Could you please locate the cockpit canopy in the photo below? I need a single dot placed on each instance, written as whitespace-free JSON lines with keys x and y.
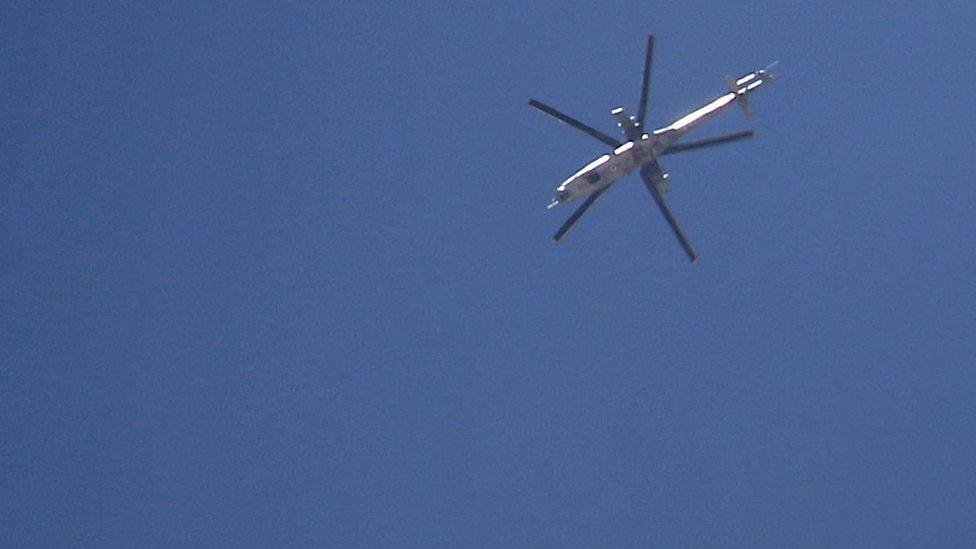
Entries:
{"x":589,"y":167}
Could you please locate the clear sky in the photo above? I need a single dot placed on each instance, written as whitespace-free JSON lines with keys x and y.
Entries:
{"x":279,"y":274}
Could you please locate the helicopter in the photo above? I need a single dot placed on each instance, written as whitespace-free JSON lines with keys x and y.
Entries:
{"x":641,"y":149}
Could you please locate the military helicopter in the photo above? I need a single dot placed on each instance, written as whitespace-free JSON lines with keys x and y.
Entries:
{"x":641,"y":149}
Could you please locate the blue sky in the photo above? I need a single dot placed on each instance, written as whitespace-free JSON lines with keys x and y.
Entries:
{"x":281,"y":275}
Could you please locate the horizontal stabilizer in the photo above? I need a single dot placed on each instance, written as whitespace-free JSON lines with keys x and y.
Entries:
{"x":741,"y":98}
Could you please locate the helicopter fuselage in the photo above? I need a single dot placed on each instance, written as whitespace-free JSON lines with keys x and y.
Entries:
{"x":638,"y":152}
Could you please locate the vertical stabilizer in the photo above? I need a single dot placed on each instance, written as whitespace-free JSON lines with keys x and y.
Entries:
{"x":737,"y":87}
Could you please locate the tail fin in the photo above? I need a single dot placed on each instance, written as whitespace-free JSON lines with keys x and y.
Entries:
{"x":740,"y":92}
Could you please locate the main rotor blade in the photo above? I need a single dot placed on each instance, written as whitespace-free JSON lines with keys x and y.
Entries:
{"x":645,"y":82}
{"x":681,"y":147}
{"x":590,"y":200}
{"x":653,"y":177}
{"x":566,"y":119}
